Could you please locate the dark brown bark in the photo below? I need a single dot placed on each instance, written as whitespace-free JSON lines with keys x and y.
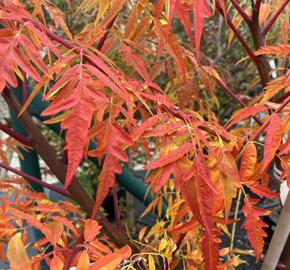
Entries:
{"x":259,"y":41}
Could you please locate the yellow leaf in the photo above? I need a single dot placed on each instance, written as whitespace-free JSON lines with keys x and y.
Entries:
{"x":151,"y":263}
{"x":56,"y":119}
{"x":163,"y":244}
{"x":17,"y":255}
{"x":56,"y":263}
{"x":84,"y":261}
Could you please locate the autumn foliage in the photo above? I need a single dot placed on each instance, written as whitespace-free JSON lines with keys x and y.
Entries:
{"x":120,"y":81}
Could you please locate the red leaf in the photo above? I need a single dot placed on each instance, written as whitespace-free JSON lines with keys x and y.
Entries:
{"x":262,"y":190}
{"x":272,"y":140}
{"x":110,"y":139}
{"x":170,"y":157}
{"x":201,"y":11}
{"x":244,"y":113}
{"x":107,"y":81}
{"x":255,"y":226}
{"x":182,"y":12}
{"x":150,"y":122}
{"x":194,"y":191}
{"x":75,"y":91}
{"x":12,"y":58}
{"x":171,"y":9}
{"x":210,"y":250}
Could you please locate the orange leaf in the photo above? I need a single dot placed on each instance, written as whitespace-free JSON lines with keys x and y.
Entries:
{"x":244,"y":113}
{"x":84,"y":261}
{"x":54,"y":232}
{"x":111,"y":261}
{"x":248,"y":161}
{"x":92,"y":229}
{"x":56,"y":263}
{"x":171,"y":157}
{"x":17,"y":255}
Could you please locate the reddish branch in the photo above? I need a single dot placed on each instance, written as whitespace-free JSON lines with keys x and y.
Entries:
{"x":238,"y":35}
{"x":241,"y":11}
{"x":280,"y":108}
{"x":274,"y":18}
{"x":35,"y":180}
{"x":238,"y":100}
{"x":22,"y":139}
{"x":116,"y":209}
{"x":103,"y":39}
{"x":73,"y":252}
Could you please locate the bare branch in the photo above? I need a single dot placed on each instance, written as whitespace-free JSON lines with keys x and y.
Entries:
{"x":239,"y":36}
{"x":22,"y":139}
{"x":241,"y":11}
{"x":274,"y":18}
{"x":35,"y":180}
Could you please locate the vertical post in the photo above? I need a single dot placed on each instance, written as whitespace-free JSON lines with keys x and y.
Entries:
{"x":279,"y":238}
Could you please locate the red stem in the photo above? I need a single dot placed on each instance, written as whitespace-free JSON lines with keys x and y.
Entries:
{"x":73,"y":252}
{"x":239,"y":36}
{"x":274,"y":18}
{"x":116,"y":209}
{"x":35,"y":180}
{"x":257,"y":5}
{"x":103,"y":39}
{"x":22,"y":139}
{"x":241,"y":11}
{"x":262,"y":128}
{"x":238,"y":100}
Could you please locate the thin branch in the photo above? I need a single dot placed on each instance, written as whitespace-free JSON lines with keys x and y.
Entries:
{"x":241,"y":11}
{"x":103,"y":39}
{"x":238,"y":100}
{"x":239,"y":36}
{"x":35,"y":180}
{"x":24,"y":88}
{"x":73,"y":252}
{"x":116,"y":209}
{"x":274,"y":18}
{"x":22,"y":139}
{"x":262,"y":128}
{"x":281,"y":98}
